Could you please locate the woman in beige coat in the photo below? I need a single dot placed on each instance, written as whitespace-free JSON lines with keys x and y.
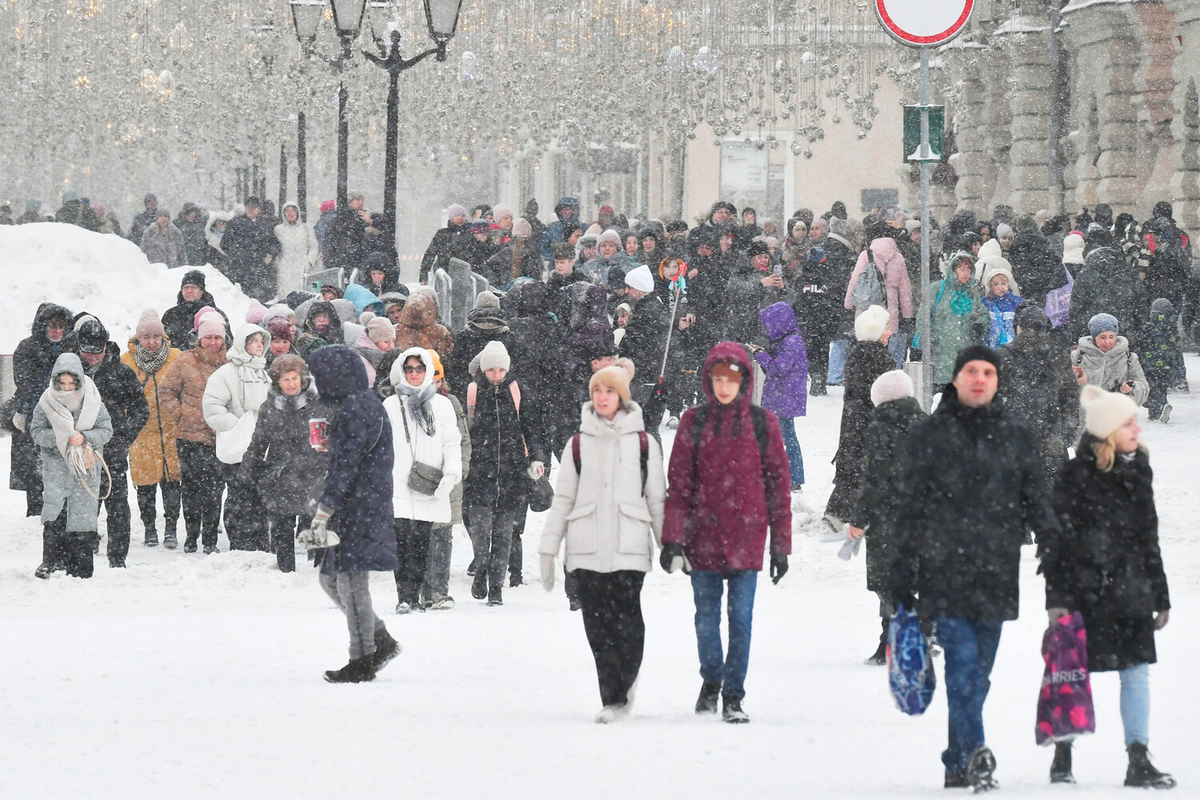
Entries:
{"x":608,"y":505}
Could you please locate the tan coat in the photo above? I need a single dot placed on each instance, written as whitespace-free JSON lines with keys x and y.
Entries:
{"x":152,"y":456}
{"x":181,"y":394}
{"x":418,"y":326}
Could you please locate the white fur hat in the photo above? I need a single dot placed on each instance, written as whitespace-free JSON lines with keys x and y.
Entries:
{"x":1106,"y":411}
{"x":1073,"y":249}
{"x":893,"y":385}
{"x":871,"y":324}
{"x":641,"y":279}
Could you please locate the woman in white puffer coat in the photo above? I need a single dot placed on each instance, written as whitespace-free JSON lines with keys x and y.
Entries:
{"x":299,"y":253}
{"x":608,"y":505}
{"x":424,"y":431}
{"x":235,"y":390}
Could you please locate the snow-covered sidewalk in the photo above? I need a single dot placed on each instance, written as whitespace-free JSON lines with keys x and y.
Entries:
{"x":193,"y":676}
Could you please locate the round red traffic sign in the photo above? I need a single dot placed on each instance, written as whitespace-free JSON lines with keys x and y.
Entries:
{"x":924,"y":23}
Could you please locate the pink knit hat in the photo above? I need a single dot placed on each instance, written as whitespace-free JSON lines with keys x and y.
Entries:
{"x":149,"y":324}
{"x":256,"y":312}
{"x":522,"y":229}
{"x":211,"y":324}
{"x":201,"y":313}
{"x":380,"y":329}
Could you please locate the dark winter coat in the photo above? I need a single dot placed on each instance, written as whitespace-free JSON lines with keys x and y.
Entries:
{"x":308,"y":340}
{"x":500,"y":267}
{"x":179,"y":321}
{"x":745,"y":297}
{"x":817,"y":294}
{"x":840,"y":259}
{"x":358,"y":487}
{"x":785,"y":361}
{"x":1039,"y":390}
{"x":122,"y":394}
{"x":279,"y":460}
{"x":194,"y":241}
{"x":248,"y":243}
{"x":500,"y":438}
{"x":77,"y":212}
{"x":559,"y":289}
{"x":885,"y":444}
{"x":723,"y":498}
{"x":468,"y":343}
{"x":344,"y":244}
{"x":1107,"y":285}
{"x":1105,"y":561}
{"x":866,"y":362}
{"x":1036,"y":267}
{"x":1160,"y":351}
{"x":535,"y":335}
{"x":32,"y":361}
{"x":554,"y":231}
{"x":645,"y":341}
{"x":972,"y":491}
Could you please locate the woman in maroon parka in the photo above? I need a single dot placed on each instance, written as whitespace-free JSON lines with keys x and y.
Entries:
{"x":729,"y":484}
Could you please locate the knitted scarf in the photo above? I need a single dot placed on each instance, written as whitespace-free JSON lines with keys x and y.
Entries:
{"x":69,"y":412}
{"x":148,"y":362}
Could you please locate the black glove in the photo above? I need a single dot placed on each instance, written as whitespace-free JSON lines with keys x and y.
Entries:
{"x":779,"y":568}
{"x":669,"y":553}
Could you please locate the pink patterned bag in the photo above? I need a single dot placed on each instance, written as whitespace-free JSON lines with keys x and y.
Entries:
{"x":1065,"y":708}
{"x":1058,"y":301}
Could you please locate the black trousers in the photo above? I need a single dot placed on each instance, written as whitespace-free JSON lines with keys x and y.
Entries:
{"x":245,"y":517}
{"x":117,"y":521}
{"x":201,"y":487}
{"x":283,"y":539}
{"x":68,"y":550}
{"x":612,"y":619}
{"x":147,"y":497}
{"x":412,"y":546}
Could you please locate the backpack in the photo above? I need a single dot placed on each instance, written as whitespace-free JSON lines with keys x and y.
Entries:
{"x":1172,"y":256}
{"x":869,"y":289}
{"x":643,"y":445}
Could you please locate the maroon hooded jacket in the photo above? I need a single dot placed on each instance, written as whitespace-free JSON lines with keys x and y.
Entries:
{"x":723,"y":498}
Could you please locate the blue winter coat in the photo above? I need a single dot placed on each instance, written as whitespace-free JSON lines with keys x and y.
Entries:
{"x":359,"y":486}
{"x":363,"y":300}
{"x":785,"y":391}
{"x":1002,"y":328}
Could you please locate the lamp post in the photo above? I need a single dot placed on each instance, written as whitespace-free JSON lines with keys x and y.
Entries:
{"x":347,"y":20}
{"x":442,"y":18}
{"x":306,"y":16}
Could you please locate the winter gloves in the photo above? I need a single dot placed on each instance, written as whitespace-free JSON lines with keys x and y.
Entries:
{"x":318,"y":534}
{"x":672,"y":559}
{"x":548,"y":572}
{"x":779,"y":567}
{"x":445,"y":487}
{"x":536,"y":470}
{"x":18,"y":422}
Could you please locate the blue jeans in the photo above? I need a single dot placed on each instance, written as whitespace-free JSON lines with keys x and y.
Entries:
{"x":790,"y":443}
{"x":707,"y":586}
{"x":1135,"y":704}
{"x":898,"y":346}
{"x":970,"y":649}
{"x":839,"y":351}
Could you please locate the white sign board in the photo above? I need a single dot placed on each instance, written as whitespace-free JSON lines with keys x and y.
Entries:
{"x":745,"y":172}
{"x":924,"y":23}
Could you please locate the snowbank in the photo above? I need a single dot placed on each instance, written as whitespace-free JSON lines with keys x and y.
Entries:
{"x":103,"y":274}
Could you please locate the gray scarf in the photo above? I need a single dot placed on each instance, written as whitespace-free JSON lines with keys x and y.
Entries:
{"x":416,"y":400}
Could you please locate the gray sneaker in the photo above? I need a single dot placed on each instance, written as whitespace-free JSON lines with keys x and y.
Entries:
{"x":441,"y":602}
{"x":1166,"y":414}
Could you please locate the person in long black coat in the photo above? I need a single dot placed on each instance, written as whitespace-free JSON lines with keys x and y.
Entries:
{"x":869,"y":358}
{"x":32,"y":361}
{"x":644,"y":343}
{"x":818,"y":292}
{"x":280,"y":460}
{"x":486,"y":322}
{"x":885,"y":443}
{"x":1108,"y":285}
{"x":444,"y":242}
{"x":1105,"y":563}
{"x":250,"y":243}
{"x":1037,"y":268}
{"x":179,"y":320}
{"x":356,"y":502}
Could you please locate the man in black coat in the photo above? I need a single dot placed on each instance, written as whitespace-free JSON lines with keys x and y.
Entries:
{"x":143,"y":220}
{"x":1108,"y":285}
{"x":191,"y":223}
{"x":1036,"y":267}
{"x":974,"y":489}
{"x":345,"y":242}
{"x":644,"y":343}
{"x":179,"y":321}
{"x":442,"y":245}
{"x":251,"y":246}
{"x":121,"y":392}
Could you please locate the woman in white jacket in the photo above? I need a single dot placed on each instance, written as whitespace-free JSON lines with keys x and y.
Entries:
{"x":230,"y":405}
{"x":298,"y":255}
{"x":425,"y":432}
{"x":608,"y":505}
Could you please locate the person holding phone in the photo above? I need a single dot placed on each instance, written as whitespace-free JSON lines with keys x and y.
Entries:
{"x":1104,"y":359}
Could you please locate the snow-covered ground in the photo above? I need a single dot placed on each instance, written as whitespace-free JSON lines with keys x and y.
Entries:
{"x":200,"y":676}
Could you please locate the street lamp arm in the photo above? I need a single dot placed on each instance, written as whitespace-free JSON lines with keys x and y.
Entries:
{"x":394,"y":63}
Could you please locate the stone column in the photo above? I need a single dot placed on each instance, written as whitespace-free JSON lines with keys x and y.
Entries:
{"x":1185,"y":126}
{"x":1025,"y":36}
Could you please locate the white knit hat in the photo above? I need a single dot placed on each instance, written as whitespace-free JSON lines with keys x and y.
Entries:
{"x":871,"y":324}
{"x":993,"y":266}
{"x":641,"y":279}
{"x":1073,"y":249}
{"x":893,"y":385}
{"x":1106,"y":411}
{"x":610,"y":235}
{"x":494,"y":355}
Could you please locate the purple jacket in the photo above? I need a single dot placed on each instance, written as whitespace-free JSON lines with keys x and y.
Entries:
{"x":785,"y":361}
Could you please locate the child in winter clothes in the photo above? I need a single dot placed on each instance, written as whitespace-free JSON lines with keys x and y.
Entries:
{"x":1001,"y":300}
{"x":1106,"y":564}
{"x":1161,"y":356}
{"x":785,"y":391}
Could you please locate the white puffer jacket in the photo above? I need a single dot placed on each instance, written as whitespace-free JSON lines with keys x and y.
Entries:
{"x":238,"y":387}
{"x":442,"y":449}
{"x":298,"y":254}
{"x":608,"y":522}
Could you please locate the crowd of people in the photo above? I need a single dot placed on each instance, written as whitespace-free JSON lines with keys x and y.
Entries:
{"x":353,"y":421}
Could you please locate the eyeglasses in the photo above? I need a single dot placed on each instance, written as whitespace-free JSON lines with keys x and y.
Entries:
{"x":413,"y":370}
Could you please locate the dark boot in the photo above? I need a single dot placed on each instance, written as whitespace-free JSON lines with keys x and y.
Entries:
{"x":981,"y":771}
{"x":479,"y":586}
{"x":879,"y":657}
{"x":706,"y":703}
{"x":386,"y":648}
{"x":1142,"y":773}
{"x":189,"y":544}
{"x":359,"y":670}
{"x":170,"y":538}
{"x":151,"y":539}
{"x":494,"y":596}
{"x":731,"y":710}
{"x":1060,"y":767}
{"x":956,"y":780}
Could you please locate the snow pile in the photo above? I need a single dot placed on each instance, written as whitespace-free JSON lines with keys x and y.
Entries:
{"x":103,"y":274}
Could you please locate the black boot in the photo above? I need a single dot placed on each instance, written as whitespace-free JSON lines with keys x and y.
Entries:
{"x":479,"y":586}
{"x":494,"y":597}
{"x":731,"y":710}
{"x":706,"y":703}
{"x":358,"y":670}
{"x":1142,"y":773}
{"x":1060,"y":767}
{"x":386,"y":648}
{"x":879,"y":657}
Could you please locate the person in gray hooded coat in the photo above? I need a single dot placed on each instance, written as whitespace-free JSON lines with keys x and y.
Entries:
{"x":70,"y":426}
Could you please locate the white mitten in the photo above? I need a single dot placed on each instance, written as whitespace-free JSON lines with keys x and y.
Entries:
{"x":536,"y":470}
{"x":445,"y":487}
{"x":548,"y":572}
{"x":18,"y":421}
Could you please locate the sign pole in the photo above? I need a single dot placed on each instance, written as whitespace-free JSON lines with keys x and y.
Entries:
{"x":926,"y":336}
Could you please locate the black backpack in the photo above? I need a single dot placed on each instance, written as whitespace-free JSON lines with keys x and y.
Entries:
{"x":1171,"y":256}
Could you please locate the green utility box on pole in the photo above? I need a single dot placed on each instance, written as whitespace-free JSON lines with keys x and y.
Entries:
{"x":912,"y":133}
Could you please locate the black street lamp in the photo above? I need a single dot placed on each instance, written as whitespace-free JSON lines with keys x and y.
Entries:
{"x":442,"y":19}
{"x":347,"y":20}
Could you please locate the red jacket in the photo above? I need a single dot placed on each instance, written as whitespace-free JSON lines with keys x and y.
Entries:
{"x":723,"y":498}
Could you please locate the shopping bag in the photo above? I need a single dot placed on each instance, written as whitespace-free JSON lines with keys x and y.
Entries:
{"x":1058,"y":301}
{"x":910,"y":667}
{"x":1065,"y":708}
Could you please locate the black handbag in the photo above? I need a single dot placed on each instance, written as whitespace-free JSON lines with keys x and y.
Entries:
{"x":541,"y":494}
{"x":422,"y":478}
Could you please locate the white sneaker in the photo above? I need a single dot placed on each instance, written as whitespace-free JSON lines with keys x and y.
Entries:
{"x":403,"y":608}
{"x":442,"y":602}
{"x":610,"y":714}
{"x":1166,"y":414}
{"x":832,"y":529}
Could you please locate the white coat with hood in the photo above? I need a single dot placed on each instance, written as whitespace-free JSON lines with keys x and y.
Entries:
{"x":299,"y":253}
{"x":441,"y":449}
{"x":238,"y":387}
{"x":602,"y":512}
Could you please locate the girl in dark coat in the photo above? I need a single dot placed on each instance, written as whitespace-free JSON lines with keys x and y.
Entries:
{"x":874,"y":515}
{"x":869,"y":358}
{"x":357,"y":504}
{"x":32,"y":361}
{"x":1106,"y":564}
{"x":280,"y":461}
